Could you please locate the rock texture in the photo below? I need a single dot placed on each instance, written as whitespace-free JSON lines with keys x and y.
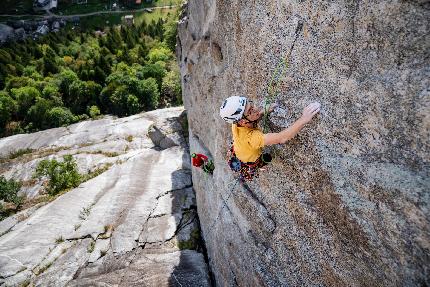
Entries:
{"x":346,"y":203}
{"x":127,"y":226}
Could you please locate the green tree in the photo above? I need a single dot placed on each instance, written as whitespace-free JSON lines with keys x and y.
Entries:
{"x":31,"y":72}
{"x":49,"y":63}
{"x":123,"y":103}
{"x":148,"y":94}
{"x":66,"y":78}
{"x":61,"y":175}
{"x":171,"y":91}
{"x":159,"y":54}
{"x":170,"y":33}
{"x":8,"y":108}
{"x":5,"y":71}
{"x":9,"y":191}
{"x":99,"y":75}
{"x":60,"y":116}
{"x":83,"y":94}
{"x":25,"y":98}
{"x":52,"y":92}
{"x":94,"y":111}
{"x":37,"y":115}
{"x":156,"y":71}
{"x":19,"y":82}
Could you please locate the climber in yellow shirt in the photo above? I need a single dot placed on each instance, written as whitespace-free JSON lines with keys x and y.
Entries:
{"x":249,"y":140}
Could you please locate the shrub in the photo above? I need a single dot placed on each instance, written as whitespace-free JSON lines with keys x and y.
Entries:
{"x":20,"y":152}
{"x":8,"y":107}
{"x":94,"y":111}
{"x":61,"y":175}
{"x":25,"y":97}
{"x":37,"y":113}
{"x":148,"y":93}
{"x":160,"y":54}
{"x":171,"y":91}
{"x":9,"y":191}
{"x":60,"y":116}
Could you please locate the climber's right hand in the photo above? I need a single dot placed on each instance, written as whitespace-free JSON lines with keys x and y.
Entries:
{"x":309,"y":112}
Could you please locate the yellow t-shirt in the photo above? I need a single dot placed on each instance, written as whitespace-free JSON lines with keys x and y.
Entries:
{"x":248,"y":143}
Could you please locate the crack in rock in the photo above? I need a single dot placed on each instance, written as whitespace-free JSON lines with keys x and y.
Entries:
{"x":173,"y":190}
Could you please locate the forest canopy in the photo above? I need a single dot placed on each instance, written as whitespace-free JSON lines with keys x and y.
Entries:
{"x":65,"y":77}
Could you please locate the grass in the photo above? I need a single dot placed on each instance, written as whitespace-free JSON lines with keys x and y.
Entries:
{"x":96,"y":172}
{"x":85,"y":212}
{"x":107,"y":227}
{"x":66,"y":7}
{"x":43,"y":269}
{"x":4,"y":213}
{"x":107,"y":232}
{"x":105,"y":153}
{"x":30,"y":152}
{"x":69,"y":8}
{"x":98,"y":22}
{"x":59,"y":240}
{"x":192,"y":243}
{"x":158,"y":3}
{"x":25,"y":283}
{"x":91,"y":247}
{"x":106,"y":5}
{"x":16,"y":154}
{"x":155,"y":15}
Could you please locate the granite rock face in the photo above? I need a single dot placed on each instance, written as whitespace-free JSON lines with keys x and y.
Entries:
{"x":346,"y":203}
{"x":131,"y":225}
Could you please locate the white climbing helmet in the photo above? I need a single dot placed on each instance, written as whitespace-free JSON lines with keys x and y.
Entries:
{"x":232,"y":109}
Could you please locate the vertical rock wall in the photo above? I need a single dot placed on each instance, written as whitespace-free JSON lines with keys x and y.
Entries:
{"x":346,"y":203}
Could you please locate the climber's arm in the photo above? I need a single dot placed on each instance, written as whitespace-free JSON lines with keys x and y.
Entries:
{"x":282,"y":137}
{"x":285,"y":135}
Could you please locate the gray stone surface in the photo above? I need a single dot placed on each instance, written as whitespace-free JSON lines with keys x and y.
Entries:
{"x":96,"y":226}
{"x":166,"y":268}
{"x":64,"y":269}
{"x":346,"y":203}
{"x":101,"y":246}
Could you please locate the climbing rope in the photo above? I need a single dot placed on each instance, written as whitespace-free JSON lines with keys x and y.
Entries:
{"x":224,"y":205}
{"x":273,"y":87}
{"x":277,"y":75}
{"x":173,"y":273}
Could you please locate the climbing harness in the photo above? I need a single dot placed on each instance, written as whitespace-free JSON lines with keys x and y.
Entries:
{"x":247,"y":170}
